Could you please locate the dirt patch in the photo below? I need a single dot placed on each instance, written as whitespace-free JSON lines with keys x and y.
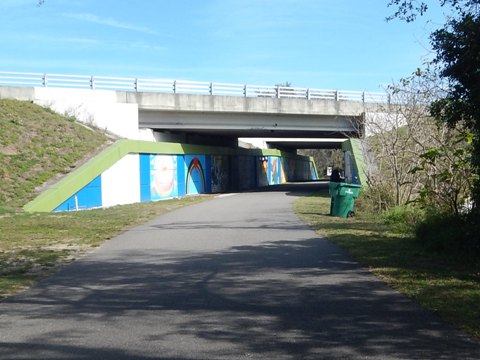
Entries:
{"x":9,"y":150}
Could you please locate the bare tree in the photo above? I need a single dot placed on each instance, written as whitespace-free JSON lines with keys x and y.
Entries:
{"x":411,"y":157}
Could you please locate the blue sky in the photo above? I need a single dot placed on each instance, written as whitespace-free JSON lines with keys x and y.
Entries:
{"x":330,"y":44}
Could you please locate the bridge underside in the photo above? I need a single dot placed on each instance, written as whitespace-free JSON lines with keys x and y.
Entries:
{"x":284,"y":131}
{"x":304,"y":143}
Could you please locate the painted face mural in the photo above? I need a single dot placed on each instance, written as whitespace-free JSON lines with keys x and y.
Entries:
{"x":195,"y":177}
{"x":162,"y":176}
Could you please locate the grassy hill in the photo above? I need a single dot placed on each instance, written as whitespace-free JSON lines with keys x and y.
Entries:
{"x":36,"y":145}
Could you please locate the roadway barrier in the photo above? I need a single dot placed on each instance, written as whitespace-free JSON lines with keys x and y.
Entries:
{"x":184,"y":87}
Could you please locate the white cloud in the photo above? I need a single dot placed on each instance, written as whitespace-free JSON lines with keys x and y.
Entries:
{"x":147,"y":47}
{"x":91,"y":18}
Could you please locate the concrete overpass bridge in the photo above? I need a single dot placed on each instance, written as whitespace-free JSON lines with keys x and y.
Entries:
{"x":190,"y":133}
{"x":204,"y":113}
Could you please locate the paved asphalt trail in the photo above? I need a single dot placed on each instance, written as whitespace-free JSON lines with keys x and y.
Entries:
{"x":232,"y":278}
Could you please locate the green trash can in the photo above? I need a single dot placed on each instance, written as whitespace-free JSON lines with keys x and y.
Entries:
{"x":343,"y":198}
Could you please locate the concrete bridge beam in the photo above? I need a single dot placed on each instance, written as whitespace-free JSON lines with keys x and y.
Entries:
{"x":126,"y":114}
{"x":238,"y":104}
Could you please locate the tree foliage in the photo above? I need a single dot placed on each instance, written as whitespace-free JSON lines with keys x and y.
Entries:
{"x":410,"y":156}
{"x":457,"y":56}
{"x":457,"y":47}
{"x":409,"y":10}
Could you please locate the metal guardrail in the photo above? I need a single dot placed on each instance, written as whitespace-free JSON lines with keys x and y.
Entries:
{"x":184,"y":87}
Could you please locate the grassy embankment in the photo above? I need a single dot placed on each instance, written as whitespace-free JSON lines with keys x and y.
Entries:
{"x":37,"y":145}
{"x":447,"y":285}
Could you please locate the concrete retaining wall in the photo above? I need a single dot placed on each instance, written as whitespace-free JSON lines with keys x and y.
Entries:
{"x":356,"y":171}
{"x":98,"y":108}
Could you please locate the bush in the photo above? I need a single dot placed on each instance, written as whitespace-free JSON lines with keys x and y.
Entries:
{"x":450,"y":234}
{"x":405,"y":218}
{"x":379,"y":201}
{"x":375,"y":199}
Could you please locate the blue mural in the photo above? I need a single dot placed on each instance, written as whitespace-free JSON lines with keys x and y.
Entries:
{"x":145,"y":193}
{"x":274,"y":170}
{"x":90,"y":196}
{"x":195,"y":182}
{"x":164,"y":176}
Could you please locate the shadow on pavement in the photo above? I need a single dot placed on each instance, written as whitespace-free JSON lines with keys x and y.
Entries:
{"x":297,"y":188}
{"x":280,"y":300}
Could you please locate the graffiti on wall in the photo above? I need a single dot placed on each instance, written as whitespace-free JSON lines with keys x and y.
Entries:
{"x":273,"y":173}
{"x":262,"y":171}
{"x":219,"y":173}
{"x":164,"y":176}
{"x":272,"y":170}
{"x":283,"y":170}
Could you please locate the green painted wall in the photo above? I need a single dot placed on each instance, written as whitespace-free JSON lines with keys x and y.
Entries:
{"x":355,"y":147}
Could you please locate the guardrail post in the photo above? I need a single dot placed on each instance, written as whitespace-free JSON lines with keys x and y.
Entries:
{"x":44,"y":80}
{"x":336,"y":95}
{"x":135,"y":84}
{"x":308,"y":94}
{"x":363,"y":97}
{"x":211,"y":88}
{"x":92,"y":83}
{"x":245,"y":90}
{"x":278,"y":92}
{"x":175,"y":86}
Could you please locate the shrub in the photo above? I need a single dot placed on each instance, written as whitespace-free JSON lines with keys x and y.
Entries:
{"x":450,"y":234}
{"x":405,"y":218}
{"x":375,"y":199}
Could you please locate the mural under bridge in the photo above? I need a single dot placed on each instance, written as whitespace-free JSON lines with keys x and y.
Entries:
{"x":153,"y":176}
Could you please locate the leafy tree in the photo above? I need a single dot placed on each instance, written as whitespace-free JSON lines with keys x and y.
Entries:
{"x":409,"y":156}
{"x":457,"y":47}
{"x":409,"y":10}
{"x":445,"y":171}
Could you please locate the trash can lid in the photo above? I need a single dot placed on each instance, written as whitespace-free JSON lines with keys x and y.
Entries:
{"x":349,"y":185}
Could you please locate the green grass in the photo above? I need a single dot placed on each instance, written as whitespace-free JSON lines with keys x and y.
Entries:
{"x":445,"y":285}
{"x":36,"y":145}
{"x":32,"y":246}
